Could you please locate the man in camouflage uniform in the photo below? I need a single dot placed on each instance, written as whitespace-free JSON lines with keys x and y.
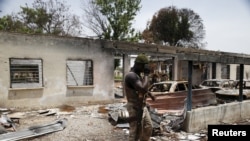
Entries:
{"x":136,"y":89}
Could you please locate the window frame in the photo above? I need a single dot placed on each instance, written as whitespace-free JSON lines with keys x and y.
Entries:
{"x":73,"y":70}
{"x":20,"y":67}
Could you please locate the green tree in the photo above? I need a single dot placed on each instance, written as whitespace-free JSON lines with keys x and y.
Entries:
{"x":112,"y":19}
{"x":45,"y":17}
{"x":7,"y":23}
{"x":175,"y":27}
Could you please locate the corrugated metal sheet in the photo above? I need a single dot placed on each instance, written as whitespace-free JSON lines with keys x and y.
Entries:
{"x":174,"y":102}
{"x":34,"y":131}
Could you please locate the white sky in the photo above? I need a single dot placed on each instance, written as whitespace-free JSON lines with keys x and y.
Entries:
{"x":226,"y":21}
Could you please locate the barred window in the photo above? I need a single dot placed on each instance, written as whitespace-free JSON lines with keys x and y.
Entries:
{"x":79,"y":73}
{"x":25,"y":73}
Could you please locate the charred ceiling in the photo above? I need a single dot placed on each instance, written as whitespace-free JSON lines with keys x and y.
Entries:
{"x":188,"y":54}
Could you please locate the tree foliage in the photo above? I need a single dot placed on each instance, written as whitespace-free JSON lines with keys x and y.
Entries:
{"x":7,"y":23}
{"x":175,"y":27}
{"x":94,"y":20}
{"x":50,"y":17}
{"x":112,"y":19}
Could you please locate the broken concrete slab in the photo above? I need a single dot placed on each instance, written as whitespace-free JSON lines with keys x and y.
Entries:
{"x":43,"y":111}
{"x":4,"y":110}
{"x":2,"y":130}
{"x":7,"y":122}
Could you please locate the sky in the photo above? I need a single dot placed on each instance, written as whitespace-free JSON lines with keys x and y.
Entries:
{"x":226,"y":22}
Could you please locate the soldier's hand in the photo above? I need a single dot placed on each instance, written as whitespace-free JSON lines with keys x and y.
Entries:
{"x":146,"y":69}
{"x":153,"y":97}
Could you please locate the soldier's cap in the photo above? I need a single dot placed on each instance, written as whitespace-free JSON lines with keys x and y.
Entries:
{"x":142,"y":58}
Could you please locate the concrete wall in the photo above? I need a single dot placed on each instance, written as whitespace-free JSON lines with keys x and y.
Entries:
{"x":182,"y":72}
{"x":198,"y":119}
{"x":233,"y":71}
{"x":218,"y":70}
{"x":54,"y":52}
{"x":246,"y":71}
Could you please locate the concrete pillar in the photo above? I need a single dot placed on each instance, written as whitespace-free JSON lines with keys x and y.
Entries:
{"x":189,"y":97}
{"x":241,"y":82}
{"x":175,"y":68}
{"x":209,"y":71}
{"x":218,"y":70}
{"x":126,"y":68}
{"x":126,"y":64}
{"x":233,"y":71}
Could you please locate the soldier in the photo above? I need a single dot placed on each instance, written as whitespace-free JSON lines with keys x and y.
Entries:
{"x":136,"y":89}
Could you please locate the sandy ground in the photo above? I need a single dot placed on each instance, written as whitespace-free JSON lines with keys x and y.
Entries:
{"x":84,"y":123}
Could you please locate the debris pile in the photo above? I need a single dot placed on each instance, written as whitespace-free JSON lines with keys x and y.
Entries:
{"x":10,"y":119}
{"x":165,"y":126}
{"x":34,"y":131}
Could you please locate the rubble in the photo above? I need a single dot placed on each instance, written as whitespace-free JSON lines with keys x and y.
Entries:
{"x":166,"y":126}
{"x":34,"y":131}
{"x":92,"y":123}
{"x":7,"y":122}
{"x":3,"y":130}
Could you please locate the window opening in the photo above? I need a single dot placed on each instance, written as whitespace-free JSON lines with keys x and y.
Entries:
{"x":79,"y":72}
{"x":25,"y":73}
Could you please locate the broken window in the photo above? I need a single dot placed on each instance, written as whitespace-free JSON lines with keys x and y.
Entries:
{"x":25,"y":73}
{"x":79,"y":72}
{"x":225,"y":71}
{"x":180,"y":87}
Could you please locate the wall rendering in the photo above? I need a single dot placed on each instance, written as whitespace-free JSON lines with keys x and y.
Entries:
{"x":39,"y":70}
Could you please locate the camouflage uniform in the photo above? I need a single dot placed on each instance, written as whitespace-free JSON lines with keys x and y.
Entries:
{"x":146,"y":124}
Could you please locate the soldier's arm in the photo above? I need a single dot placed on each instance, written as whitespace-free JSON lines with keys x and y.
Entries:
{"x":135,"y":82}
{"x":151,"y":96}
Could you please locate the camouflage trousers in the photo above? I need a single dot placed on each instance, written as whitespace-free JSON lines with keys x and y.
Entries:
{"x":145,"y":131}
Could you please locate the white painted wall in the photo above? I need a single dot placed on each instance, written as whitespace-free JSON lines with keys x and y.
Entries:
{"x":54,"y":51}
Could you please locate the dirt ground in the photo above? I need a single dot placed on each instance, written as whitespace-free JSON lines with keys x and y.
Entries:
{"x":82,"y":128}
{"x":84,"y":123}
